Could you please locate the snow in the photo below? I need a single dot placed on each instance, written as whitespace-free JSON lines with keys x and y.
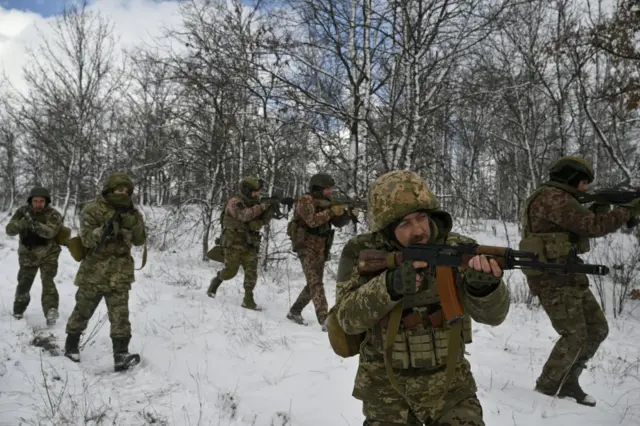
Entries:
{"x":210,"y":362}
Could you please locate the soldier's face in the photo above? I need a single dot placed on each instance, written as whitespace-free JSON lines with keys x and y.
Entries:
{"x":414,"y":228}
{"x":38,"y":203}
{"x":255,"y":194}
{"x":327,"y":192}
{"x":121,"y":190}
{"x":583,"y":186}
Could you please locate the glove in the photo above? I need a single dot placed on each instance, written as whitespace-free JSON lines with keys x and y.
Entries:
{"x":633,"y":207}
{"x":355,"y":211}
{"x":401,"y":281}
{"x":128,"y":220}
{"x":24,"y":224}
{"x":480,"y":283}
{"x":338,"y":209}
{"x":599,"y":208}
{"x":255,"y":225}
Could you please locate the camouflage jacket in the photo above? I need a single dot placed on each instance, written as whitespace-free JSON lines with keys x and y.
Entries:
{"x":113,"y":267}
{"x":314,"y":218}
{"x":554,"y":210}
{"x":363,"y":304}
{"x":37,"y":246}
{"x":241,"y":222}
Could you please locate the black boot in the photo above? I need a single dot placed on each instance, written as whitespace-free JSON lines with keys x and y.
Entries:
{"x":122,"y":359}
{"x":71,"y":349}
{"x":213,"y":286}
{"x":572,"y":389}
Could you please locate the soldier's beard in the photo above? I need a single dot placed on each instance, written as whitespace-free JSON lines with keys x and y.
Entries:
{"x":419,"y":239}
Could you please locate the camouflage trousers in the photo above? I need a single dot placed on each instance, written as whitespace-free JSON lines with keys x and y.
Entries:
{"x":26,"y":277}
{"x":313,"y":268}
{"x":87,"y":300}
{"x":467,"y":413}
{"x":236,"y":257}
{"x":577,"y":317}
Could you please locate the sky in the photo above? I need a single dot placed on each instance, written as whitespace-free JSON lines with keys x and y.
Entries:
{"x":23,"y":23}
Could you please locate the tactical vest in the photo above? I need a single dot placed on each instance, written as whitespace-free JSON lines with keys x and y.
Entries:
{"x":236,"y":232}
{"x":320,"y":204}
{"x":549,"y":246}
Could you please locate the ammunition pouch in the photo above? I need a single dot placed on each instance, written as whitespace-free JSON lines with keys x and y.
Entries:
{"x":422,"y":341}
{"x":76,"y":248}
{"x":343,"y":344}
{"x":296,"y":235}
{"x":551,"y":246}
{"x":256,"y":225}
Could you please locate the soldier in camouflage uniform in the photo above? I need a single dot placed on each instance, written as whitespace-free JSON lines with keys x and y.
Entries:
{"x":37,"y":223}
{"x":555,"y":224}
{"x":107,"y":271}
{"x":424,"y":377}
{"x":242,"y":220}
{"x":311,"y":240}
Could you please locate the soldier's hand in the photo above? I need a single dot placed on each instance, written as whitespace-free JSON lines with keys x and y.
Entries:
{"x":24,"y":223}
{"x":633,"y":207}
{"x":128,"y":220}
{"x":481,"y":263}
{"x":338,"y":209}
{"x":405,"y":279}
{"x":484,"y":275}
{"x":599,"y":208}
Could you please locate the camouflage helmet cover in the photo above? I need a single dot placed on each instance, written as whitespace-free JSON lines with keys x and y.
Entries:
{"x":250,"y":184}
{"x":116,"y":180}
{"x":39,"y":191}
{"x":396,"y":194}
{"x":576,"y":164}
{"x":321,"y":180}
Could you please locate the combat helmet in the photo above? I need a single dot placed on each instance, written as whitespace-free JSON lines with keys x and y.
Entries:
{"x":39,"y":191}
{"x":249,"y":185}
{"x":396,"y":194}
{"x":115,"y":180}
{"x":322,"y":181}
{"x":569,"y":168}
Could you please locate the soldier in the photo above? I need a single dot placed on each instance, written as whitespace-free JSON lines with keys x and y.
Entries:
{"x":110,"y":226}
{"x":556,"y":225}
{"x":312,"y":237}
{"x":424,"y":378}
{"x":242,"y":219}
{"x":38,"y":225}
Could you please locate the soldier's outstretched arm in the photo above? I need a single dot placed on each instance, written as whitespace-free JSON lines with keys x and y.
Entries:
{"x":90,"y":227}
{"x":484,"y":297}
{"x":359,"y":306}
{"x":565,"y":211}
{"x":237,"y":209}
{"x":50,"y":228}
{"x":307,"y":211}
{"x":13,"y":228}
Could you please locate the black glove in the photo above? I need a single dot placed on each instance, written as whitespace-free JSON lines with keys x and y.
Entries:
{"x":481,"y":284}
{"x":401,"y":281}
{"x":600,"y":208}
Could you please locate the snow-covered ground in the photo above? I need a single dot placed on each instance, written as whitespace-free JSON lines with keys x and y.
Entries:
{"x":210,"y":362}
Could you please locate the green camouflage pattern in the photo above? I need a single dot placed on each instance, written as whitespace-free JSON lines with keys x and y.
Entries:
{"x":115,"y":180}
{"x":43,"y":256}
{"x":395,"y":195}
{"x":234,"y":258}
{"x":87,"y":300}
{"x":113,"y":267}
{"x":241,"y":223}
{"x":576,"y":316}
{"x":363,"y":302}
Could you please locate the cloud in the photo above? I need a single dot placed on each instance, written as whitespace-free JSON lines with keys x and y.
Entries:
{"x":134,"y":22}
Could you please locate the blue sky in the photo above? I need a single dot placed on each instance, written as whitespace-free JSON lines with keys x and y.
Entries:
{"x":42,"y":7}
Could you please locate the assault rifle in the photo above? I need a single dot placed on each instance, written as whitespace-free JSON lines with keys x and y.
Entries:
{"x":107,"y":230}
{"x":612,"y":196}
{"x":275,"y":201}
{"x":32,"y":221}
{"x":442,"y":256}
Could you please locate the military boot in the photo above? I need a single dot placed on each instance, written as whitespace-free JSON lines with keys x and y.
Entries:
{"x":122,"y":359}
{"x":297,"y":318}
{"x":71,"y":349}
{"x":545,"y":385}
{"x":213,"y":286}
{"x":572,"y":389}
{"x":248,"y":302}
{"x":52,"y":316}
